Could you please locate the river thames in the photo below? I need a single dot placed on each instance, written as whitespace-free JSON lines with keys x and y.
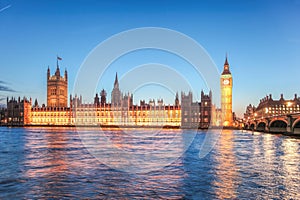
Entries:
{"x":54,"y":163}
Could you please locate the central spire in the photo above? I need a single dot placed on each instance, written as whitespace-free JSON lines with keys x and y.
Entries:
{"x":116,"y":84}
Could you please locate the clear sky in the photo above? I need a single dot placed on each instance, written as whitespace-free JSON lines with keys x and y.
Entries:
{"x":262,"y":39}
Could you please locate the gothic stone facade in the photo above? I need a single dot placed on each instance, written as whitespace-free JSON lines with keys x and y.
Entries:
{"x":119,"y":112}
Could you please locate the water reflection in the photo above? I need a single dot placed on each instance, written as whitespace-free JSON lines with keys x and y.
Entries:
{"x":44,"y":163}
{"x":56,"y":158}
{"x":47,"y":155}
{"x":290,"y":165}
{"x":135,"y":151}
{"x":226,"y":169}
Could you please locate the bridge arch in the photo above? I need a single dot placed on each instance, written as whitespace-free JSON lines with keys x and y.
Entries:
{"x":261,"y":126}
{"x":278,"y":125}
{"x":252,"y":126}
{"x":296,"y":126}
{"x":278,"y":119}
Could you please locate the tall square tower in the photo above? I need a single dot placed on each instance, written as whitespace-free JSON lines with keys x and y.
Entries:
{"x":57,"y":89}
{"x":226,"y":95}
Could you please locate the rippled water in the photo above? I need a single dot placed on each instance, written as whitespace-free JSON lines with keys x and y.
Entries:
{"x":52,"y":163}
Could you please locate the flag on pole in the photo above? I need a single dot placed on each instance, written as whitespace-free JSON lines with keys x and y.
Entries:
{"x":59,"y":58}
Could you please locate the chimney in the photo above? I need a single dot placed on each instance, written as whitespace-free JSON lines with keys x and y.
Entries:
{"x":281,"y":96}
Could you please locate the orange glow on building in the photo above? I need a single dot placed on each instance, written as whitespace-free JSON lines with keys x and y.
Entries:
{"x":226,"y":96}
{"x":119,"y":112}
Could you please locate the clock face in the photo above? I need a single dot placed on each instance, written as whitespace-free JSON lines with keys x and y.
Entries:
{"x":225,"y":81}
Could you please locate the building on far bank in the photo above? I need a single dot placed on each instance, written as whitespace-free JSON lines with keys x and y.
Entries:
{"x":2,"y":116}
{"x":121,"y":111}
{"x":196,"y":114}
{"x":18,"y":112}
{"x":268,"y":107}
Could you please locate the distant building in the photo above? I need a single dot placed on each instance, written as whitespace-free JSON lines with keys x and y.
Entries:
{"x":190,"y":111}
{"x":250,"y":109}
{"x":61,"y":116}
{"x":216,"y":117}
{"x":3,"y":120}
{"x":196,"y":114}
{"x":146,"y":114}
{"x":268,"y":107}
{"x":205,"y":110}
{"x":18,"y":112}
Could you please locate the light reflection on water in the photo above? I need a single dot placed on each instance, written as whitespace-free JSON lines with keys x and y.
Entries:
{"x":226,"y":169}
{"x":136,"y":151}
{"x":39,"y":163}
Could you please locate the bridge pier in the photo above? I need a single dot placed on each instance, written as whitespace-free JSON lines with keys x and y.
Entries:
{"x":267,"y":128}
{"x":290,"y":128}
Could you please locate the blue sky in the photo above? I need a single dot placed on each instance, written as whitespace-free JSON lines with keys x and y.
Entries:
{"x":262,"y":39}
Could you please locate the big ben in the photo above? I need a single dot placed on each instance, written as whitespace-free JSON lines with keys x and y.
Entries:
{"x":226,"y":95}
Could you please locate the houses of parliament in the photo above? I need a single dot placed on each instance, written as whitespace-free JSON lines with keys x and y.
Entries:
{"x":184,"y":113}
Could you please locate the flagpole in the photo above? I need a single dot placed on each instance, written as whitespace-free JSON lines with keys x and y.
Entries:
{"x":57,"y":58}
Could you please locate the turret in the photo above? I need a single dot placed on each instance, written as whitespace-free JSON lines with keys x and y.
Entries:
{"x":71,"y":101}
{"x":96,"y":100}
{"x":36,"y":104}
{"x":48,"y":73}
{"x":176,"y":99}
{"x":57,"y":72}
{"x":103,"y":97}
{"x":66,"y":75}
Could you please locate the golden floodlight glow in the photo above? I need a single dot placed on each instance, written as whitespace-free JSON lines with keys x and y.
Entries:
{"x":266,"y":110}
{"x":226,"y":95}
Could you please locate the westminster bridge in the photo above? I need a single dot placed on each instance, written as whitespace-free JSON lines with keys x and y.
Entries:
{"x":288,"y":123}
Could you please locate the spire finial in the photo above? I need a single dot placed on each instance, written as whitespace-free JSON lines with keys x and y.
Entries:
{"x":226,"y":61}
{"x":116,"y":79}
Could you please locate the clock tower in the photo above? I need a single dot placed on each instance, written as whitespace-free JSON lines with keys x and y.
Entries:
{"x":226,"y":95}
